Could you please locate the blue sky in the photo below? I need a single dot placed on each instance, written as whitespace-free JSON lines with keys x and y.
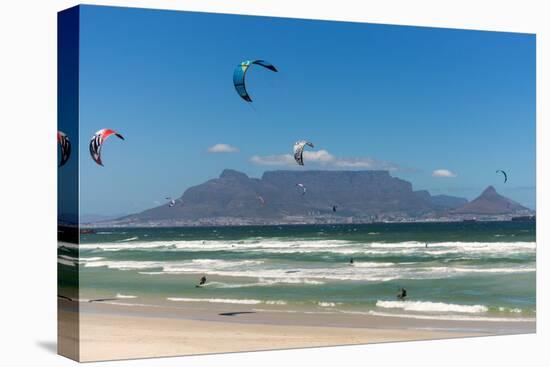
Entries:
{"x":410,"y":99}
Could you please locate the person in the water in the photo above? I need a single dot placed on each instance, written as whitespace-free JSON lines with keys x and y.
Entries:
{"x":351,"y":260}
{"x":402,"y":294}
{"x":202,"y":281}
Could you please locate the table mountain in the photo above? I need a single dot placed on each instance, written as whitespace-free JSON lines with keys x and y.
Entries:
{"x":275,"y":196}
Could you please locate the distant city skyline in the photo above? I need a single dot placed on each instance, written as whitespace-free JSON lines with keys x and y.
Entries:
{"x":441,"y":108}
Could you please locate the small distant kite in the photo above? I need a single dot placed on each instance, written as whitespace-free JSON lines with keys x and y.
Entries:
{"x":240,"y":73}
{"x":299,"y":151}
{"x":65,"y":145}
{"x":171,"y":202}
{"x":97,"y":141}
{"x":504,"y":174}
{"x":261,"y":200}
{"x":302,"y":186}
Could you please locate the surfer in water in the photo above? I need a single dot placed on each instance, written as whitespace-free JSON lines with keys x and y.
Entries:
{"x":402,"y":294}
{"x":202,"y":281}
{"x":351,"y":261}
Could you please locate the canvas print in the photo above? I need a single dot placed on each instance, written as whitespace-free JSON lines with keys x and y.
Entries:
{"x":235,"y":183}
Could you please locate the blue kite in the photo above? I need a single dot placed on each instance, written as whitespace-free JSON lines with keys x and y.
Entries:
{"x":240,"y":73}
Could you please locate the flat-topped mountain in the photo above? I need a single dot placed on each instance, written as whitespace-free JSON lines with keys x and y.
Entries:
{"x":491,"y":203}
{"x":276,"y":195}
{"x":312,"y":197}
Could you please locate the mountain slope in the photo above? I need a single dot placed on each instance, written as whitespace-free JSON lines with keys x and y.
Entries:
{"x":491,"y":203}
{"x":357,"y":194}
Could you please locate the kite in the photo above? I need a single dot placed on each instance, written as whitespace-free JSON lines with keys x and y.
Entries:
{"x":302,"y":187}
{"x":299,"y":151}
{"x":240,"y":73}
{"x":97,"y":141}
{"x":261,"y":200}
{"x":504,"y":174}
{"x":65,"y":145}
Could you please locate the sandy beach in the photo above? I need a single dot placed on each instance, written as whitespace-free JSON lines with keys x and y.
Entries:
{"x":110,"y":331}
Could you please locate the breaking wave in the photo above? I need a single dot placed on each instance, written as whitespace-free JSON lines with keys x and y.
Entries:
{"x":419,"y":306}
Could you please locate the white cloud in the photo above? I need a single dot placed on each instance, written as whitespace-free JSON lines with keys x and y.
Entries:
{"x":318,"y":156}
{"x":443,"y":173}
{"x":222,"y":148}
{"x":323,"y":159}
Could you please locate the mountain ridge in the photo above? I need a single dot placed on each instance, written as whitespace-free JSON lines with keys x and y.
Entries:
{"x":490,"y":203}
{"x":330,"y":197}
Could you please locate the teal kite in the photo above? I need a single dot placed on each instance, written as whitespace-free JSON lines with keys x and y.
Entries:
{"x":504,"y":174}
{"x":240,"y":73}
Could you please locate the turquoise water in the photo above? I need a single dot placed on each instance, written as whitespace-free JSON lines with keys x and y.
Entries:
{"x":482,"y":270}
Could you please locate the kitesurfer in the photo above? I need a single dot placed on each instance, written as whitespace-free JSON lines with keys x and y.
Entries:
{"x":202,"y":281}
{"x":402,"y":294}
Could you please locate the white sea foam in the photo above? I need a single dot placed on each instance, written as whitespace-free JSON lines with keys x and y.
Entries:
{"x":518,"y":269}
{"x":326,"y":304}
{"x":341,"y":247}
{"x":511,"y":310}
{"x":125,"y":296}
{"x":420,"y":306}
{"x":261,"y":283}
{"x":66,"y":262}
{"x":90,"y":259}
{"x":278,"y":303}
{"x":268,"y":273}
{"x":67,"y":245}
{"x":67,"y":257}
{"x":217,"y":300}
{"x":446,"y":317}
{"x":125,"y":265}
{"x":372,"y":264}
{"x":129,"y":239}
{"x":289,"y":280}
{"x":73,"y":261}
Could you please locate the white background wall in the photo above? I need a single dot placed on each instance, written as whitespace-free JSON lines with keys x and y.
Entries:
{"x":28,"y":180}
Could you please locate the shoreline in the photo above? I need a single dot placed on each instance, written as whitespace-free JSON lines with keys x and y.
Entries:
{"x":199,"y":224}
{"x":113,"y":331}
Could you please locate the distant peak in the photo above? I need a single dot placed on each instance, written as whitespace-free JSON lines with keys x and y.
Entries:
{"x":231,"y":173}
{"x":489,"y":191}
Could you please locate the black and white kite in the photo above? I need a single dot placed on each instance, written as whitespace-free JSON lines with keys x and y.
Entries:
{"x":97,"y":141}
{"x":65,"y":145}
{"x":299,"y":151}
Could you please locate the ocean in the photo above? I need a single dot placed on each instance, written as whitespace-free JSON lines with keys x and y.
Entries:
{"x":460,"y":271}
